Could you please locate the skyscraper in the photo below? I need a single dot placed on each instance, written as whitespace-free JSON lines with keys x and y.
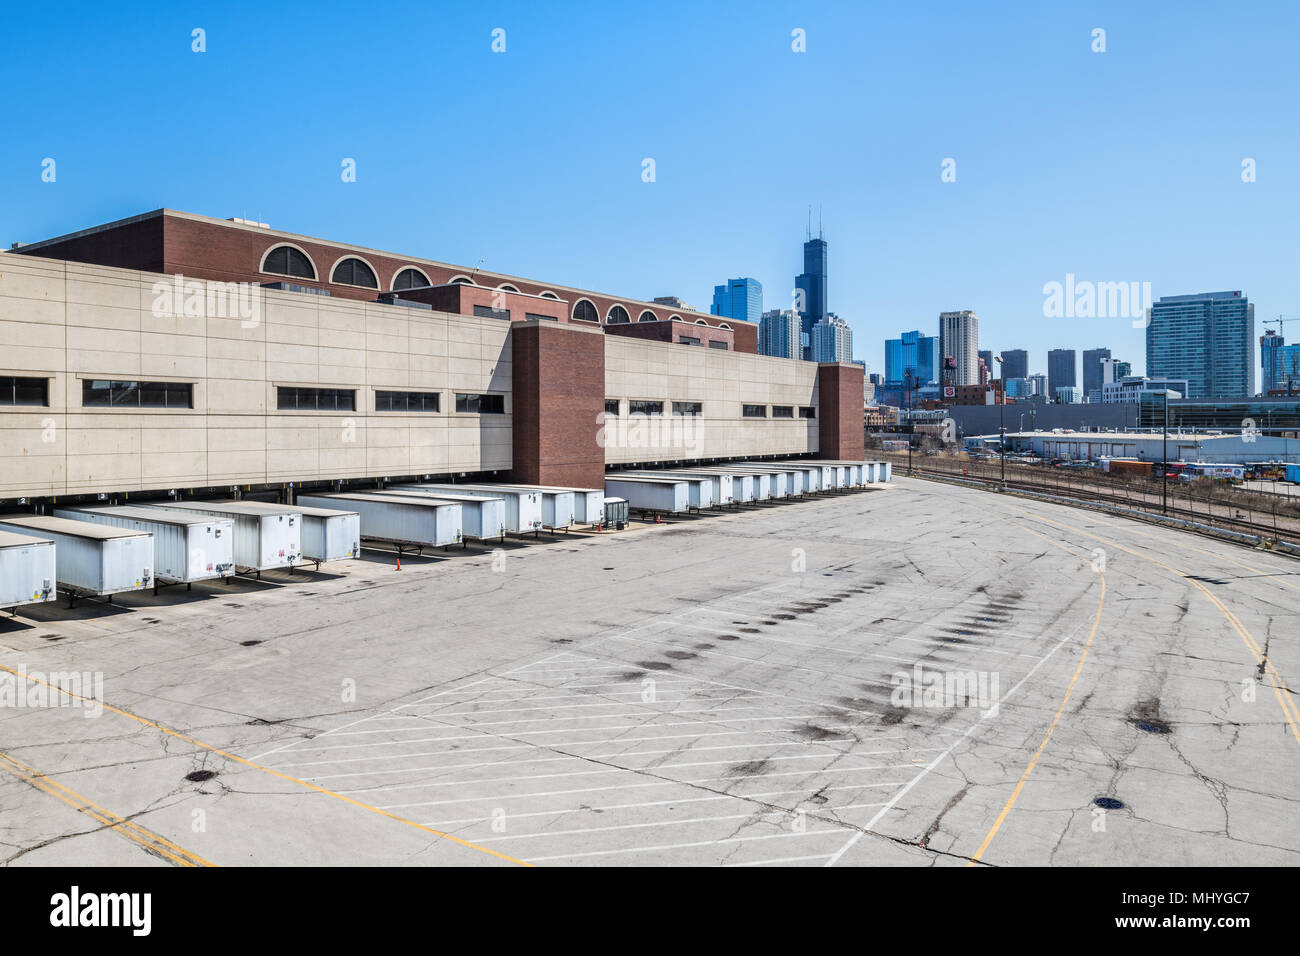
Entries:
{"x":1061,"y":365}
{"x":912,"y":352}
{"x":832,"y":340}
{"x":1092,"y":372}
{"x":1015,"y":363}
{"x":1205,"y":338}
{"x":988,"y":372}
{"x":1270,"y":351}
{"x":811,"y":286}
{"x":739,"y":299}
{"x":959,"y":340}
{"x":778,"y":333}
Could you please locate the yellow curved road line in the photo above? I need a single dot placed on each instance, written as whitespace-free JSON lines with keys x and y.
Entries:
{"x":151,"y":841}
{"x":1042,"y":746}
{"x":274,"y":773}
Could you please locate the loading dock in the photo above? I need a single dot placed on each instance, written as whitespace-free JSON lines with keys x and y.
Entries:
{"x":187,"y":547}
{"x":93,"y":560}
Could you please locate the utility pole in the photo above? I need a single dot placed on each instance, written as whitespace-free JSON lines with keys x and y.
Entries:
{"x":1164,"y":468}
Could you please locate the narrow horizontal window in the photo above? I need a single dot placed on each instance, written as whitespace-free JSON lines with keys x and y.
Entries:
{"x":687,"y":340}
{"x":783,"y":411}
{"x":24,"y":391}
{"x":317,"y":399}
{"x":688,"y":408}
{"x":754,"y":411}
{"x":389,"y":401}
{"x":538,"y":315}
{"x":637,"y":407}
{"x":480,"y":404}
{"x":103,"y":393}
{"x":808,"y":411}
{"x":487,"y":312}
{"x":716,"y":344}
{"x":611,"y":406}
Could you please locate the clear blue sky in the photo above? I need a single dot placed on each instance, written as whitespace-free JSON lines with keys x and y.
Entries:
{"x":1115,"y":166}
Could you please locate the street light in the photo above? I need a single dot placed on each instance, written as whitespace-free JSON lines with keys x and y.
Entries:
{"x":1164,"y":467}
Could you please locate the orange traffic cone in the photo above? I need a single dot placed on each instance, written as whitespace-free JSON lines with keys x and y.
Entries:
{"x":656,"y":519}
{"x":399,"y":562}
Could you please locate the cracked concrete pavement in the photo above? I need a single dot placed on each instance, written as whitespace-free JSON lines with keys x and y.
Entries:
{"x":721,"y":690}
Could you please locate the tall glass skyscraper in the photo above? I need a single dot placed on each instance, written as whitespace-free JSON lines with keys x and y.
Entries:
{"x":811,"y":283}
{"x":1092,"y":377}
{"x":1207,"y":339}
{"x":1061,"y":370}
{"x":739,"y":299}
{"x":778,"y":334}
{"x":912,"y":352}
{"x":1015,"y":364}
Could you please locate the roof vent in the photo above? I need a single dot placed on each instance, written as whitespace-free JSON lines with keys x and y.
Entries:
{"x":248,"y":222}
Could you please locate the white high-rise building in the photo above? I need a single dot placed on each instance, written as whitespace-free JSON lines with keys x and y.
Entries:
{"x":832,"y":340}
{"x":778,"y":333}
{"x":959,"y":339}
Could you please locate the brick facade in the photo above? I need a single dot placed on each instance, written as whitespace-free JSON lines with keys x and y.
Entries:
{"x":840,"y":430}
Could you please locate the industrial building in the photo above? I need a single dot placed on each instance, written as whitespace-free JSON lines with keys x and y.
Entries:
{"x":174,"y":351}
{"x":1060,"y":444}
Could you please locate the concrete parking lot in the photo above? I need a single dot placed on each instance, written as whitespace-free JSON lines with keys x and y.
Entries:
{"x":916,"y":674}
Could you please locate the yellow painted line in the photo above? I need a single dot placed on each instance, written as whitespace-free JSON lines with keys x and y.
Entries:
{"x":128,"y":828}
{"x":1042,"y":746}
{"x":274,"y":773}
{"x":1280,"y":689}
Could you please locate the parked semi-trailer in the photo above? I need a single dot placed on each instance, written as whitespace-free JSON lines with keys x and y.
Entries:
{"x":702,"y":489}
{"x":414,"y":521}
{"x":523,"y":505}
{"x":187,"y":547}
{"x":27,"y":569}
{"x":94,"y":560}
{"x":666,"y":495}
{"x":328,"y":534}
{"x":264,"y":539}
{"x":481,"y":518}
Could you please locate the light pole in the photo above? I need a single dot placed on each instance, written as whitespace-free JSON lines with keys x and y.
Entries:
{"x":1002,"y":424}
{"x":1164,"y":466}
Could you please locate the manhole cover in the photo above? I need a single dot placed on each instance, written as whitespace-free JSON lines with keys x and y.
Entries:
{"x":198,"y":776}
{"x":1109,"y":803}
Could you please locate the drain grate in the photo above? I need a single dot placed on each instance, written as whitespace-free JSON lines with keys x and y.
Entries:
{"x":1109,"y":803}
{"x":198,"y":776}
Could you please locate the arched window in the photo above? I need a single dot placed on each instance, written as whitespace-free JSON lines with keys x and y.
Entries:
{"x":648,"y":316}
{"x":724,"y":325}
{"x":410,"y":279}
{"x":548,"y":294}
{"x":507,"y":287}
{"x":288,"y":261}
{"x":462,"y":280}
{"x":674,"y":318}
{"x":700,"y":322}
{"x":585,"y":311}
{"x":617,"y":316}
{"x":352,"y":271}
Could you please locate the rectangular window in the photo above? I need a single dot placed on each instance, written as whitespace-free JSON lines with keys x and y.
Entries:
{"x":611,"y":406}
{"x":717,"y":344}
{"x":316,"y":399}
{"x":754,"y":411}
{"x":783,"y":411}
{"x":808,"y":411}
{"x":24,"y":391}
{"x":645,"y":408}
{"x":102,"y":393}
{"x":537,"y":315}
{"x":688,"y":340}
{"x":481,"y":404}
{"x":386,"y":401}
{"x":688,"y":408}
{"x":488,"y":312}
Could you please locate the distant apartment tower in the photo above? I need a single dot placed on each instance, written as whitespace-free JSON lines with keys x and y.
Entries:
{"x":778,"y":333}
{"x":739,"y":299}
{"x":1061,"y":364}
{"x":959,"y":340}
{"x":1206,"y":338}
{"x":1015,"y":363}
{"x":1112,"y":370}
{"x":1270,"y":350}
{"x":986,"y":370}
{"x":832,"y":340}
{"x":1092,"y":376}
{"x":1039,"y":382}
{"x":912,"y":352}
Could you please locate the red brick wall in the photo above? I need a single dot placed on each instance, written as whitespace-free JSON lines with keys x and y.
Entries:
{"x":840,"y":432}
{"x":558,"y":396}
{"x":135,"y":245}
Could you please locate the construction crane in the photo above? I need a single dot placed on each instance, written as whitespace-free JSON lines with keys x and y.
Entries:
{"x":1281,"y":322}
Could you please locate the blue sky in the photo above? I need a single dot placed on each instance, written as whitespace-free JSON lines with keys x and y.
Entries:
{"x":1115,"y":166}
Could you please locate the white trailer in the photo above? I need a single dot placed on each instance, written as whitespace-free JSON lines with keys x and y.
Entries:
{"x":815,"y":476}
{"x":720,"y":483}
{"x":667,"y":495}
{"x":266,"y":536}
{"x":411,"y":521}
{"x":702,"y":489}
{"x":187,"y":547}
{"x":93,"y":560}
{"x":588,"y":503}
{"x":775,"y":481}
{"x":523,"y":505}
{"x":26,"y":570}
{"x":482,"y":518}
{"x":328,"y":534}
